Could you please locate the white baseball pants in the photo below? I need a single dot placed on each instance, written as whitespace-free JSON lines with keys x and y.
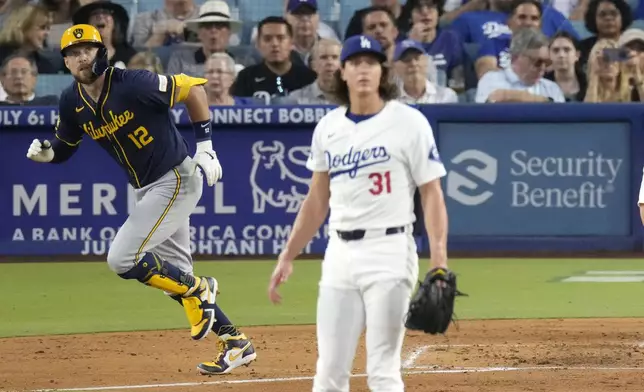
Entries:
{"x":365,"y":284}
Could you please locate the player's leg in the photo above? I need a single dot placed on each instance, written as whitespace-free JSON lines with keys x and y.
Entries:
{"x":235,"y":349}
{"x":386,"y":304}
{"x":391,"y":271}
{"x":160,"y":211}
{"x":340,"y":320}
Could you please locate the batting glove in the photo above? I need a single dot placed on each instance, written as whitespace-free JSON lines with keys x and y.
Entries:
{"x":40,"y":151}
{"x":206,"y":159}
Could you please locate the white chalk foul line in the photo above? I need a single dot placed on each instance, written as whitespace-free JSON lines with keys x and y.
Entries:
{"x":288,"y":379}
{"x":411,"y":359}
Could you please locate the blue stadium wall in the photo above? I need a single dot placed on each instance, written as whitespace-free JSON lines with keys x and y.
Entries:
{"x":520,"y":178}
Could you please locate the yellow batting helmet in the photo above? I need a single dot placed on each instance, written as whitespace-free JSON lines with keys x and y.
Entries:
{"x":78,"y":34}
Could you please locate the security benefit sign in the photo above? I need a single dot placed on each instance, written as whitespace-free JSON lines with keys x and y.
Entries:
{"x":78,"y":206}
{"x":550,"y":179}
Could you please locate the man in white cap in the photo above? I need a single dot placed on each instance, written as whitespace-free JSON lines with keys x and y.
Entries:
{"x":213,"y":26}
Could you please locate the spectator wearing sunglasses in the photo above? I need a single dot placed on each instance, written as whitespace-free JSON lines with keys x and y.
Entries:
{"x":522,"y":80}
{"x":276,"y":75}
{"x":494,"y":52}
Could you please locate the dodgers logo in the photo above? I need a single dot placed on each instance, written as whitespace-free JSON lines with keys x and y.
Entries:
{"x":353,"y":161}
{"x":463,"y":189}
{"x":272,"y":177}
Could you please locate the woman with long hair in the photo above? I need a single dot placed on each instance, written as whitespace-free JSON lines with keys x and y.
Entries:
{"x":367,"y":156}
{"x":25,"y":31}
{"x":608,"y":77}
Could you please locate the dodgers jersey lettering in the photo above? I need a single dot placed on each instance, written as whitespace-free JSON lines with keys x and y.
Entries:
{"x":131,"y":121}
{"x":375,"y":165}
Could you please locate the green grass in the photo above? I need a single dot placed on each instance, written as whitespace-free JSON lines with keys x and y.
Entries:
{"x":59,"y":298}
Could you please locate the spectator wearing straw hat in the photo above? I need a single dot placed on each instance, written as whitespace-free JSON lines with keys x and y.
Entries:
{"x":213,"y":27}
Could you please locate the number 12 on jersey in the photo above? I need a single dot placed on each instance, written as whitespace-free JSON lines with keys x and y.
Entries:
{"x":381,"y":182}
{"x":140,"y":137}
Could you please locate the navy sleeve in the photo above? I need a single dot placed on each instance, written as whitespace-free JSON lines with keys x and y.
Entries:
{"x":151,"y":88}
{"x":67,"y":132}
{"x":67,"y":129}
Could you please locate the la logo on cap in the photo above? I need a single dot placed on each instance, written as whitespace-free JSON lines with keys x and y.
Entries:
{"x":364,"y":42}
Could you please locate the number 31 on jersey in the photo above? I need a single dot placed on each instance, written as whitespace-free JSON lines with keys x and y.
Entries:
{"x":381,"y":183}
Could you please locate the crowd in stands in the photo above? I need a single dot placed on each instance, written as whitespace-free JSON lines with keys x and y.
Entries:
{"x":262,"y":52}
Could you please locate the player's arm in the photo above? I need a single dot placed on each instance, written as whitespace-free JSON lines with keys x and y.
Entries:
{"x":312,"y":214}
{"x":66,"y":140}
{"x":640,"y":201}
{"x":310,"y":217}
{"x":315,"y":207}
{"x":427,"y":170}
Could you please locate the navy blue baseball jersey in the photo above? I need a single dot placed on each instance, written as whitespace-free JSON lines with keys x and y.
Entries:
{"x":131,"y":121}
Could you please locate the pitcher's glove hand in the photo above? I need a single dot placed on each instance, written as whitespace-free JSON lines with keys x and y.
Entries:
{"x":432,"y":307}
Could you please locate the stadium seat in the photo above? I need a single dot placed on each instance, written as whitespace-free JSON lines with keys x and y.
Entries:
{"x":347,"y":9}
{"x":327,"y":11}
{"x":245,"y":55}
{"x":581,"y":29}
{"x":254,"y":10}
{"x":164,"y":53}
{"x":52,"y":84}
{"x":638,"y":24}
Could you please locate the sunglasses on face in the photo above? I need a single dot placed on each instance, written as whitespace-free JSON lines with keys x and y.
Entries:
{"x":539,"y":62}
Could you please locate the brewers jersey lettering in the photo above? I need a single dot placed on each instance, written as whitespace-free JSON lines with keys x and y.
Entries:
{"x":375,"y":165}
{"x":131,"y":121}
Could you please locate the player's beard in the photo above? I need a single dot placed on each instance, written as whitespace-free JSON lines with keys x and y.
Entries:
{"x":85,"y":76}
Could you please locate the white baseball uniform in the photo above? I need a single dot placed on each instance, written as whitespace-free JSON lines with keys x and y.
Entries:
{"x":375,"y":166}
{"x":640,"y":200}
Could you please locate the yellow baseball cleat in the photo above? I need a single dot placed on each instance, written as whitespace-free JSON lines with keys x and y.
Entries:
{"x":234,"y":351}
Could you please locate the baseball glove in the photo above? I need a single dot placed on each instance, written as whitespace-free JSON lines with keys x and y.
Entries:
{"x":432,"y":307}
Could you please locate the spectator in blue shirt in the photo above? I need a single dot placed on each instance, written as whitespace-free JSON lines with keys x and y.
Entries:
{"x":477,"y":26}
{"x":443,"y":45}
{"x":494,"y":52}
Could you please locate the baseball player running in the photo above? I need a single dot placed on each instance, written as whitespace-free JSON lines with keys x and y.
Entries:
{"x":127,"y":112}
{"x":368,"y":156}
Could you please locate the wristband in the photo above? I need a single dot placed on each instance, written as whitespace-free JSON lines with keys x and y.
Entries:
{"x":203,"y":130}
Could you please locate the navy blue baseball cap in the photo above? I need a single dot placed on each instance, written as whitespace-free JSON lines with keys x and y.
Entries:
{"x":362,"y":44}
{"x":295,"y":5}
{"x":404,"y":46}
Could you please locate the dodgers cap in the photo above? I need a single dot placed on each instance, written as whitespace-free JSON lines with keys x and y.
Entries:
{"x":294,"y":5}
{"x":362,"y":44}
{"x":404,"y":46}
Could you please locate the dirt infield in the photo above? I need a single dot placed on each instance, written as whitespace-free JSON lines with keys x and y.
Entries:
{"x":527,"y":355}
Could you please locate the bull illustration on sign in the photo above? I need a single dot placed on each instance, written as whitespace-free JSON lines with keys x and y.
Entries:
{"x":273,"y":177}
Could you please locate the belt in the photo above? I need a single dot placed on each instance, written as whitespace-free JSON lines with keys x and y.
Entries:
{"x":355,"y":235}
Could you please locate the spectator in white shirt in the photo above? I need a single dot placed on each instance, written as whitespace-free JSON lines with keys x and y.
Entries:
{"x":412,"y":66}
{"x":523,"y":80}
